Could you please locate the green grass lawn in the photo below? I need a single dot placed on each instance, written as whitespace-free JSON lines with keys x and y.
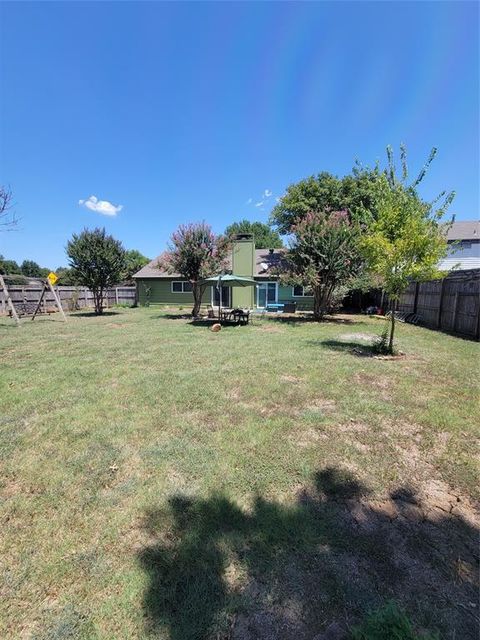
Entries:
{"x":160,"y":480}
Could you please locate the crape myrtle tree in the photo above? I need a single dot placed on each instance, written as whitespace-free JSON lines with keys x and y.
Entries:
{"x":97,"y":261}
{"x":265,"y":237}
{"x":196,"y":253}
{"x":407,"y":239}
{"x":323,"y":255}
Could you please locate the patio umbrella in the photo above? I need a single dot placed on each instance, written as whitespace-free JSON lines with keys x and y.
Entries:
{"x":228,"y":280}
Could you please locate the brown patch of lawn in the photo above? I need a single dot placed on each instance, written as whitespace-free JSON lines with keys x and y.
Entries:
{"x":261,"y":482}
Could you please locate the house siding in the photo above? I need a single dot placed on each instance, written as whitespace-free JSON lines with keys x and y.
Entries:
{"x":285,"y":294}
{"x":243,"y":262}
{"x":161,"y":292}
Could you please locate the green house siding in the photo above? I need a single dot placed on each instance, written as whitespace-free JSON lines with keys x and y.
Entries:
{"x":243,"y":262}
{"x":161,"y":292}
{"x":285,"y":294}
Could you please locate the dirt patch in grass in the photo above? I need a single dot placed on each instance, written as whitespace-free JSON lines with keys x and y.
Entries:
{"x":269,"y":328}
{"x":352,"y":426}
{"x":373,"y":381}
{"x":290,"y":379}
{"x":334,"y":553}
{"x":352,"y":337}
{"x":321,"y":405}
{"x":307,"y":437}
{"x":396,"y":356}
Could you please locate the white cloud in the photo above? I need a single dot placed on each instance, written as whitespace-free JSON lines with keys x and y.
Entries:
{"x":103,"y":207}
{"x":249,"y":201}
{"x":259,"y":204}
{"x":277,"y":199}
{"x":267,"y":193}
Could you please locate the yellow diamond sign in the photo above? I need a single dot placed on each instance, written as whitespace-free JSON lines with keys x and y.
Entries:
{"x":52,"y":278}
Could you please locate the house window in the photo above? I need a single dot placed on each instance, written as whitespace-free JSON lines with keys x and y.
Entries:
{"x":181,"y":286}
{"x":301,"y":292}
{"x":267,"y":293}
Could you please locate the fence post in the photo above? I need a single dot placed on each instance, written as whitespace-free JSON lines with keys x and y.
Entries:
{"x":85,"y":293}
{"x":455,"y":309}
{"x":116,"y":295}
{"x":440,"y":304}
{"x":477,"y":332}
{"x":415,"y":299}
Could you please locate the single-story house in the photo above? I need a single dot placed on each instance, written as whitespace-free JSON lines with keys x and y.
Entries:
{"x":157,"y":287}
{"x":464,"y":241}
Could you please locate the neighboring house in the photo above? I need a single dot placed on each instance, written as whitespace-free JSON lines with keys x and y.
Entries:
{"x":158,"y":287}
{"x":464,"y":241}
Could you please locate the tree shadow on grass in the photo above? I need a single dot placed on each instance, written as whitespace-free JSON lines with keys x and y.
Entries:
{"x":298,"y":319}
{"x":174,"y":316}
{"x":217,"y":570}
{"x":92,"y":314}
{"x":359,"y":349}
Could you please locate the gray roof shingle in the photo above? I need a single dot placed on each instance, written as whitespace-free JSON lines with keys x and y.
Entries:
{"x":265,"y":262}
{"x":468,"y":230}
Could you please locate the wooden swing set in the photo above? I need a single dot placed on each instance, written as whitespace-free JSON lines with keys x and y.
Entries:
{"x":47,"y":286}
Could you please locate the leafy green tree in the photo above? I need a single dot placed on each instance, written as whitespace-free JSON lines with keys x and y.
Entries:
{"x":196,"y":253}
{"x":265,"y":237}
{"x":66,"y":276}
{"x":354,"y":193}
{"x":31,"y":269}
{"x":97,"y":260}
{"x":134,"y":262}
{"x":323,"y":255}
{"x":9,"y":267}
{"x":406,"y":240}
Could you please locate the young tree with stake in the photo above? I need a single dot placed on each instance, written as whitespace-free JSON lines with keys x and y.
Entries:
{"x":407,"y":240}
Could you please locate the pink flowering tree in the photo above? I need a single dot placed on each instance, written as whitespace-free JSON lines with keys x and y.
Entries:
{"x":196,"y":253}
{"x":323,"y":255}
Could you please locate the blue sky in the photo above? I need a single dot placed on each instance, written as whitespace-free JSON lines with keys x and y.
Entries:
{"x":180,"y":112}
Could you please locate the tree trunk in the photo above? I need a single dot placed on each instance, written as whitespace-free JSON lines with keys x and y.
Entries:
{"x":98,"y":301}
{"x":392,"y":326}
{"x":321,"y":298}
{"x":198,"y":291}
{"x":327,"y":295}
{"x":317,"y":302}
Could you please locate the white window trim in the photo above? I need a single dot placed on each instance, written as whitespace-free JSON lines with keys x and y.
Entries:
{"x":212,"y":297}
{"x":267,"y":282}
{"x":304,"y":295}
{"x":182,"y":282}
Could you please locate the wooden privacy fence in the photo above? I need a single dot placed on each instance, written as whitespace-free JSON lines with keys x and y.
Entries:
{"x":25,"y":298}
{"x":451,"y":304}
